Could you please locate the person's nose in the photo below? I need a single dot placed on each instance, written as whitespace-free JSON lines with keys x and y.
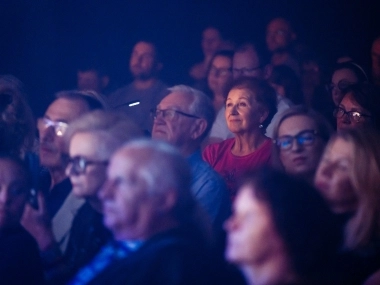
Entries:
{"x":296,"y":145}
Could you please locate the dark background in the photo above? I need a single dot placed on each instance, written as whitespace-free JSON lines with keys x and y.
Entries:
{"x":43,"y":42}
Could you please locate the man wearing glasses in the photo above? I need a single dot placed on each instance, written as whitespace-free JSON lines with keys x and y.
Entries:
{"x":50,"y":217}
{"x":183,"y":118}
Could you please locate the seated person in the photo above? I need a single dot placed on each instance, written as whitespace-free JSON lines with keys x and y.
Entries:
{"x":360,"y":107}
{"x":299,"y":140}
{"x":19,"y":256}
{"x":281,"y":232}
{"x":91,"y":139}
{"x":250,"y":106}
{"x":160,"y":235}
{"x":348,"y":177}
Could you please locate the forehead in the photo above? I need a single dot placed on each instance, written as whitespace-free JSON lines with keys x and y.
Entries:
{"x":88,"y":73}
{"x":66,"y":110}
{"x":85,"y":144}
{"x":340,"y":148}
{"x":144,"y":47}
{"x":210,"y":33}
{"x":177,"y":100}
{"x":222,"y":61}
{"x":247,"y":201}
{"x":295,"y":124}
{"x":344,"y":73}
{"x":238,"y":93}
{"x":247,"y":58}
{"x":278,"y":24}
{"x":349,"y":102}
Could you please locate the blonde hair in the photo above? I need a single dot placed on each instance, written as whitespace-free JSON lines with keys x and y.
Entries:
{"x":364,"y":226}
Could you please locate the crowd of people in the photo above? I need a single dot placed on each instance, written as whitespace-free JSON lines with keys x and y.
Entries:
{"x":262,"y":170}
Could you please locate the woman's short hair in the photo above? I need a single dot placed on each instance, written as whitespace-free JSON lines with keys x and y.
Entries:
{"x":301,"y":217}
{"x":324,"y":128}
{"x":364,"y":226}
{"x":262,"y":92}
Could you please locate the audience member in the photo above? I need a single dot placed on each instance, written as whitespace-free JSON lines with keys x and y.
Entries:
{"x":19,"y":259}
{"x":183,"y":118}
{"x":161,"y":236}
{"x":280,"y":39}
{"x":250,"y":106}
{"x":281,"y":232}
{"x":93,"y":78}
{"x":17,"y":130}
{"x":91,"y":139}
{"x":359,"y":107}
{"x":299,"y":140}
{"x":375,"y":60}
{"x":50,"y":220}
{"x":212,"y":42}
{"x":348,"y":177}
{"x":146,"y":90}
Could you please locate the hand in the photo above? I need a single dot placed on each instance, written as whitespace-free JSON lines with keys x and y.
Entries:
{"x":38,"y":223}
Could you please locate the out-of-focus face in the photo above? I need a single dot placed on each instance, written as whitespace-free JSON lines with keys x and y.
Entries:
{"x":52,"y":145}
{"x":279,"y":35}
{"x":87,"y":169}
{"x":303,"y":155}
{"x":243,"y":112}
{"x":220,"y":74}
{"x":211,"y":41}
{"x":349,"y":104}
{"x":251,"y":233}
{"x":332,"y":178}
{"x":340,"y":77}
{"x":246,"y":63}
{"x":143,"y":62}
{"x":375,"y":56}
{"x":178,"y":129}
{"x":13,"y":193}
{"x":89,"y":80}
{"x":129,"y":211}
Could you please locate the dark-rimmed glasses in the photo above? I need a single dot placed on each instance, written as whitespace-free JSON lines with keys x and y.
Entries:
{"x":59,"y":127}
{"x":355,"y":116}
{"x":78,"y":164}
{"x":304,"y":138}
{"x":169,"y":114}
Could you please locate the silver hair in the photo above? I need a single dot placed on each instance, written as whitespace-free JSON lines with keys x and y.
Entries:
{"x":201,"y":105}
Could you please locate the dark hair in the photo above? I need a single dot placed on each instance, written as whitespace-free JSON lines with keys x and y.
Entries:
{"x":355,"y":68}
{"x":263,"y":93}
{"x":284,"y":76}
{"x":368,"y":96}
{"x":301,"y":217}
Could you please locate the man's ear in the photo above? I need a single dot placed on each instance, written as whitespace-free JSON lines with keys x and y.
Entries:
{"x":263,"y":115}
{"x":198,"y":128}
{"x":167,"y":201}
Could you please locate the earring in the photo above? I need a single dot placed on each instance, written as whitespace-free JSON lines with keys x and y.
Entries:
{"x":261,"y":126}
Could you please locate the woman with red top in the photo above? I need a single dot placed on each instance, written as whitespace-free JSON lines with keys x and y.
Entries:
{"x":250,"y":106}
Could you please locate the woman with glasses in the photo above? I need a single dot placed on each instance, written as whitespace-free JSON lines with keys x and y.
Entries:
{"x":359,"y":107}
{"x":348,"y":177}
{"x":91,"y":139}
{"x":299,"y":139}
{"x":250,"y":106}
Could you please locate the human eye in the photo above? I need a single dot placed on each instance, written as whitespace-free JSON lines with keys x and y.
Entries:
{"x":229,"y":104}
{"x":284,"y":142}
{"x":356,"y":116}
{"x":306,"y":137}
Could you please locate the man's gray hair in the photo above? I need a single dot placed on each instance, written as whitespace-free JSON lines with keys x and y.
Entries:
{"x":201,"y":107}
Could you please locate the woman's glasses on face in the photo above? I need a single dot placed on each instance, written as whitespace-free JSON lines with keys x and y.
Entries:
{"x":304,"y":138}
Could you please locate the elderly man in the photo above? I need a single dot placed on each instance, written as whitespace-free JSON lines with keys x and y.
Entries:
{"x":146,"y":90}
{"x":183,"y":118}
{"x":50,"y":220}
{"x":160,"y":234}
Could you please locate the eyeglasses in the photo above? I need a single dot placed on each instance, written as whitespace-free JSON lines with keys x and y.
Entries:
{"x":245,"y":70}
{"x":169,"y":114}
{"x":59,"y":127}
{"x":220,"y":71}
{"x":353,"y":115}
{"x":78,"y":164}
{"x":304,"y":138}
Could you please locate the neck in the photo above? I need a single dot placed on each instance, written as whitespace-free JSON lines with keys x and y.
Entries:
{"x":144,"y":84}
{"x":247,"y":143}
{"x":95,"y":203}
{"x":57,"y":175}
{"x":273,"y":271}
{"x":187,"y":150}
{"x":218,"y":101}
